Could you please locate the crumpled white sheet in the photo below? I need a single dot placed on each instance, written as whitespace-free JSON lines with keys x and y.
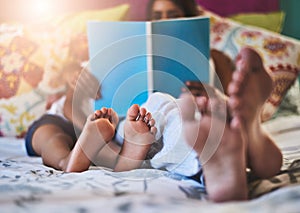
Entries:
{"x":26,"y":185}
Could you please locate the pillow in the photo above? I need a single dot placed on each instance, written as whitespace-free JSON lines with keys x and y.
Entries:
{"x":291,"y":102}
{"x":272,"y":21}
{"x":226,"y":8}
{"x":64,"y":38}
{"x":31,"y":57}
{"x":281,"y":55}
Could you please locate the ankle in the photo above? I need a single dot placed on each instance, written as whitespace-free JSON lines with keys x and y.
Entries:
{"x":63,"y":163}
{"x":224,"y":193}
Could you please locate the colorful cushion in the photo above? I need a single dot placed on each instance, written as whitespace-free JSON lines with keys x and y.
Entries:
{"x":31,"y":58}
{"x":272,"y":21}
{"x":291,"y":102}
{"x":281,"y":55}
{"x":64,"y":38}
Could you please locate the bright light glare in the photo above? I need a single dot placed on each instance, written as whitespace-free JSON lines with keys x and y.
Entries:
{"x":42,"y":7}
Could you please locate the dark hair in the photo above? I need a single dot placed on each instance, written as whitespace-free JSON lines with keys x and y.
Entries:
{"x":189,"y":7}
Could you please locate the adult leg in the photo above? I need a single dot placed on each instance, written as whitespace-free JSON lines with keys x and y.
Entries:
{"x":249,"y":89}
{"x":224,"y":67}
{"x":221,"y":150}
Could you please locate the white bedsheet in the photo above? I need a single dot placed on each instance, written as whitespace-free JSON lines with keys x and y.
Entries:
{"x":286,"y":133}
{"x":26,"y":185}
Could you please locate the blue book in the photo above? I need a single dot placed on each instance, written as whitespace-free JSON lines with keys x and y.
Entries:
{"x":131,"y":60}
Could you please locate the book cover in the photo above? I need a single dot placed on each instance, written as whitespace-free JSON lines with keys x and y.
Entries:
{"x":133,"y":59}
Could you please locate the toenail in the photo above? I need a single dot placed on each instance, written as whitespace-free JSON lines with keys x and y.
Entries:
{"x":138,"y":117}
{"x":146,"y":120}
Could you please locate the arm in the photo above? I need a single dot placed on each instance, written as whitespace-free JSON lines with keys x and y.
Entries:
{"x":82,"y":87}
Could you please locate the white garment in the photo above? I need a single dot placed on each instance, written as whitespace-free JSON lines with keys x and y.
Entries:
{"x":57,"y":108}
{"x":175,"y":156}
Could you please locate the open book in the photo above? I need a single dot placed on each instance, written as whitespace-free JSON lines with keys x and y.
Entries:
{"x":133,"y":59}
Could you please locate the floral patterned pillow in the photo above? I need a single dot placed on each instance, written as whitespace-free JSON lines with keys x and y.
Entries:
{"x":281,"y":55}
{"x":31,"y":58}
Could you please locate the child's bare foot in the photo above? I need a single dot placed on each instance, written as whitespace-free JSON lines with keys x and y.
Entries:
{"x":139,"y":134}
{"x":99,"y":129}
{"x":250,"y":87}
{"x":221,"y":151}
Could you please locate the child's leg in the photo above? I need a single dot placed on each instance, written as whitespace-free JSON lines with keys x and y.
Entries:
{"x":98,"y":130}
{"x":56,"y":147}
{"x":139,"y":134}
{"x":53,"y":144}
{"x":108,"y":155}
{"x":249,"y":89}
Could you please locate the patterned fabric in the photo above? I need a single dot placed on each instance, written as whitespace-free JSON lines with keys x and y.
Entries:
{"x":281,"y":55}
{"x":31,"y":60}
{"x":27,"y":185}
{"x":291,"y":103}
{"x":16,"y":66}
{"x":19,"y":77}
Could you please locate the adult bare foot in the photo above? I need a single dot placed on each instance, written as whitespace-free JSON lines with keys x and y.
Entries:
{"x":99,"y":129}
{"x":221,"y":150}
{"x":224,"y":67}
{"x":139,"y":134}
{"x":250,"y":87}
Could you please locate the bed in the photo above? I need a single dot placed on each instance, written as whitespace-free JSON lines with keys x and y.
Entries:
{"x":27,"y":185}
